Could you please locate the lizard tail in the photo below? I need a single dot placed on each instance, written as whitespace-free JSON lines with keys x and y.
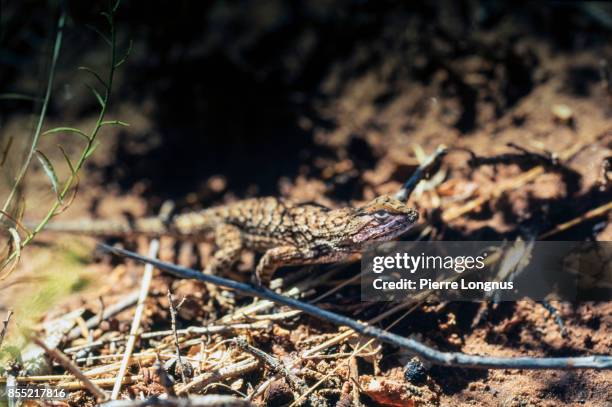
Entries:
{"x":187,"y":224}
{"x":104,"y":227}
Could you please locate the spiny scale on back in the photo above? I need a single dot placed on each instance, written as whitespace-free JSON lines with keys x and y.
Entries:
{"x":287,"y":232}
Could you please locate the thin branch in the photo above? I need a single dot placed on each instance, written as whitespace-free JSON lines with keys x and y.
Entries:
{"x":227,"y":372}
{"x":192,"y":330}
{"x":38,"y":378}
{"x":9,"y":143}
{"x":523,"y":157}
{"x":211,"y":400}
{"x":593,"y":213}
{"x":113,"y":310}
{"x":425,"y":352}
{"x":425,"y":170}
{"x":103,"y":382}
{"x":144,"y":292}
{"x":234,"y":370}
{"x":4,"y":328}
{"x":207,"y":330}
{"x":277,"y":367}
{"x":72,"y":368}
{"x":175,"y":335}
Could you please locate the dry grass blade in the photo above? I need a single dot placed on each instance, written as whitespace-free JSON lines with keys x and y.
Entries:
{"x":13,"y":260}
{"x":144,"y":292}
{"x":593,"y":213}
{"x":49,"y":170}
{"x":104,"y":383}
{"x":110,"y":311}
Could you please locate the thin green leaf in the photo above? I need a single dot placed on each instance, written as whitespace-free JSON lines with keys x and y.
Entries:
{"x":20,"y":209}
{"x":108,"y":17}
{"x":97,"y":95}
{"x":126,"y":55}
{"x":67,"y":159}
{"x":48,"y":168}
{"x":116,"y":6}
{"x":94,"y":73}
{"x":16,"y":241}
{"x":67,"y":130}
{"x":41,"y":117}
{"x":15,"y":220}
{"x":114,"y":122}
{"x":19,"y":96}
{"x":9,"y":143}
{"x":91,"y":149}
{"x":17,"y":253}
{"x":100,"y":33}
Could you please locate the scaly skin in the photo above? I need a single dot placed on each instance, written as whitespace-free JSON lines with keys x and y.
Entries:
{"x":286,"y":232}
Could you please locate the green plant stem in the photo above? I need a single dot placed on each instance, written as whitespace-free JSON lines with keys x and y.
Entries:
{"x":43,"y":111}
{"x":85,"y":153}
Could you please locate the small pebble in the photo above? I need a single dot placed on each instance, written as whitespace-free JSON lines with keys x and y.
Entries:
{"x":415,"y":372}
{"x":563,"y":113}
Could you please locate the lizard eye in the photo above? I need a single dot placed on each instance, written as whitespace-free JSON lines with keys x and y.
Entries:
{"x":381,"y":215}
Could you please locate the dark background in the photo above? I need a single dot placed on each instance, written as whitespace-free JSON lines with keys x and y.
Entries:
{"x":226,"y":82}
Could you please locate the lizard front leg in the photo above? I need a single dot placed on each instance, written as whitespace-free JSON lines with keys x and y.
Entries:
{"x":281,"y":256}
{"x":229,"y":245}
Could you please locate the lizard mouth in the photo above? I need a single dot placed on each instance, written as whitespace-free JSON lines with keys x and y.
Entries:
{"x":393,"y":229}
{"x":388,"y":231}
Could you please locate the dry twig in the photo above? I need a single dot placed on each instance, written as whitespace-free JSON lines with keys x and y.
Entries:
{"x":222,"y":373}
{"x":176,"y":338}
{"x":113,"y":310}
{"x":72,"y":368}
{"x":211,"y":400}
{"x":593,"y":213}
{"x":424,"y":171}
{"x":273,"y":363}
{"x":4,"y":328}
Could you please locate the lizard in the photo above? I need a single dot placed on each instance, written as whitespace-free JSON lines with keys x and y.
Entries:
{"x":286,"y":232}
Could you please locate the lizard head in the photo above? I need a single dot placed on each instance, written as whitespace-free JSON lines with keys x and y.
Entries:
{"x":382,"y":219}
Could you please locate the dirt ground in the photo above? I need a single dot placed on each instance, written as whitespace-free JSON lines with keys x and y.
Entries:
{"x":335,"y":103}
